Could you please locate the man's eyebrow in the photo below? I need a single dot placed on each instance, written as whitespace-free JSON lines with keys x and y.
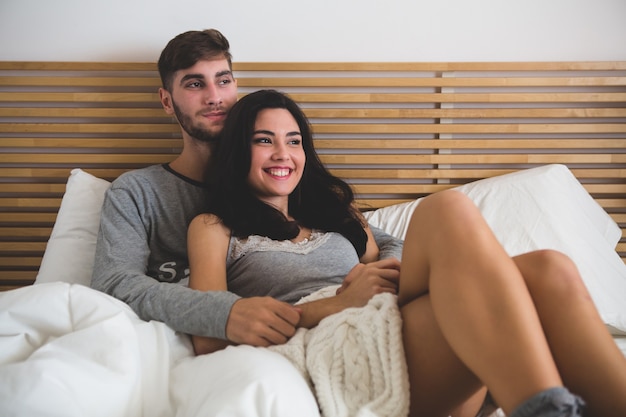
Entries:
{"x":191,"y":77}
{"x":222,"y":73}
{"x":199,"y":76}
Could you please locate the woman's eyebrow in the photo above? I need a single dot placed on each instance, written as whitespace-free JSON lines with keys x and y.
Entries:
{"x":264,"y":132}
{"x":269,"y":132}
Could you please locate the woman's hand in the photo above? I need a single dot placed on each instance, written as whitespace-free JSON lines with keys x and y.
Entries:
{"x":366,"y":280}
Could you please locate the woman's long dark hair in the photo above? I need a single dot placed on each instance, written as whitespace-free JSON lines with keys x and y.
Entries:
{"x":320,"y":201}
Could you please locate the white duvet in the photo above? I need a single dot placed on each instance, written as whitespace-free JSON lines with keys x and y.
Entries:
{"x":67,"y":350}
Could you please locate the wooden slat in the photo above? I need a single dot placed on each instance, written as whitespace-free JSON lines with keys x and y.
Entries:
{"x":22,"y":246}
{"x":56,"y":172}
{"x":471,"y":144}
{"x":465,"y":144}
{"x":331,"y":66}
{"x":465,"y":113}
{"x":474,"y":159}
{"x":416,"y":81}
{"x":408,"y":128}
{"x":441,"y":173}
{"x":429,"y":66}
{"x":99,"y":82}
{"x":64,"y":158}
{"x":26,"y":202}
{"x":20,"y":261}
{"x":28,"y":217}
{"x":106,"y":97}
{"x":78,"y":143}
{"x":102,"y":128}
{"x":76,"y":66}
{"x":459,"y":98}
{"x":430,"y":188}
{"x":469,"y":128}
{"x":96,"y":158}
{"x":323,"y":113}
{"x":43,"y":232}
{"x":100,"y":112}
{"x":31,"y":188}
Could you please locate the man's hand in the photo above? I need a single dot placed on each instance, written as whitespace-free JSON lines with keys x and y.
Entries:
{"x":366,"y":280}
{"x":261,"y":321}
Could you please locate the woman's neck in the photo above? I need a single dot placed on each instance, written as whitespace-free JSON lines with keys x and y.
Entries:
{"x":279,"y":203}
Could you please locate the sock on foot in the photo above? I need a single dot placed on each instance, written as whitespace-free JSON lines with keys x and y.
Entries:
{"x":553,"y":402}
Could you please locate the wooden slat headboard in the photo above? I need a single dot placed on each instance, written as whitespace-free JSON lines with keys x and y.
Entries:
{"x":396,"y":131}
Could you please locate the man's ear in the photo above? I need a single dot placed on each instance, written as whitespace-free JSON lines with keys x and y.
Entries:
{"x":166,"y":100}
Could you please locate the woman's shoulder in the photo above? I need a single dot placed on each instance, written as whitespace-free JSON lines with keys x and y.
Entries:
{"x":209,"y":221}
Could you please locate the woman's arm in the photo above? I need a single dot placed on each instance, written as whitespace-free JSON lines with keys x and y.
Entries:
{"x":256,"y":321}
{"x":207,"y":247}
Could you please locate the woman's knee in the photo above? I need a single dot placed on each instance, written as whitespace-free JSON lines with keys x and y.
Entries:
{"x":447,"y":207}
{"x":550,"y":271}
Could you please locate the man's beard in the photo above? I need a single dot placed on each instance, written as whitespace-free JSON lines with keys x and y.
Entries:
{"x":186,"y":123}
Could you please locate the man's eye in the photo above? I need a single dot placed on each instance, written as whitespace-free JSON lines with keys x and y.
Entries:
{"x":225,"y":81}
{"x":194,"y":84}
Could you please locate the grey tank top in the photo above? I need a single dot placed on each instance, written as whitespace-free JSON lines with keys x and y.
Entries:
{"x":260,"y":266}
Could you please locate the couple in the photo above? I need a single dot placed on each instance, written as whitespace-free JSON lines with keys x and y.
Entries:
{"x":473,"y":317}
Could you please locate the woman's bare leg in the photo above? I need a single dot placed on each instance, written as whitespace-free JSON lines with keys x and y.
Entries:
{"x":433,"y":365}
{"x":479,"y":301}
{"x":588,"y":359}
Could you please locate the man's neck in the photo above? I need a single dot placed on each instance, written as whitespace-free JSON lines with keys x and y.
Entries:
{"x":193,"y":161}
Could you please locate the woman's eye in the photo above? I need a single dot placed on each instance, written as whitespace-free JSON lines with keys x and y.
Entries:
{"x":262,"y":140}
{"x":295,"y":142}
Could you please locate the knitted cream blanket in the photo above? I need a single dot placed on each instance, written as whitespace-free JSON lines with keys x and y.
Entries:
{"x":354,"y":360}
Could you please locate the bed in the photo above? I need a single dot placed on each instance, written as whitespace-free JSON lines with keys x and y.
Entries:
{"x":539,"y":147}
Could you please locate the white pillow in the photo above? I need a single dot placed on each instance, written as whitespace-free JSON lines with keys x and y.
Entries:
{"x":544,"y":208}
{"x":70,"y":252}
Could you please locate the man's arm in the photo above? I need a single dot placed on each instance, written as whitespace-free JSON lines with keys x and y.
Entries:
{"x":389,"y":246}
{"x":121,"y":262}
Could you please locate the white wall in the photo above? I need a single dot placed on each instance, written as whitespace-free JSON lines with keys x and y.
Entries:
{"x":319,"y":30}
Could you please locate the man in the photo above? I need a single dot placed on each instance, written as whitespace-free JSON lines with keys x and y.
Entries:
{"x":141,"y":255}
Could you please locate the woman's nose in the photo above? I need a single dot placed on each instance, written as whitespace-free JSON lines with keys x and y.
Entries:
{"x":280,"y":152}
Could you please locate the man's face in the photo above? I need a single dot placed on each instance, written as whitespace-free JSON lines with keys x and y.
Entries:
{"x":201,"y":97}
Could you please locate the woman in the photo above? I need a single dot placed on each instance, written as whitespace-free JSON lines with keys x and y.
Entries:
{"x":472,"y":316}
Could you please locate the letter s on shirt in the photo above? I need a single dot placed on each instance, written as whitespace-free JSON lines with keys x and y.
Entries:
{"x":167,"y":272}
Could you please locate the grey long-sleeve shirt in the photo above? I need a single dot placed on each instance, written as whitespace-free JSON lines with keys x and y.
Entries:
{"x":141,"y":254}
